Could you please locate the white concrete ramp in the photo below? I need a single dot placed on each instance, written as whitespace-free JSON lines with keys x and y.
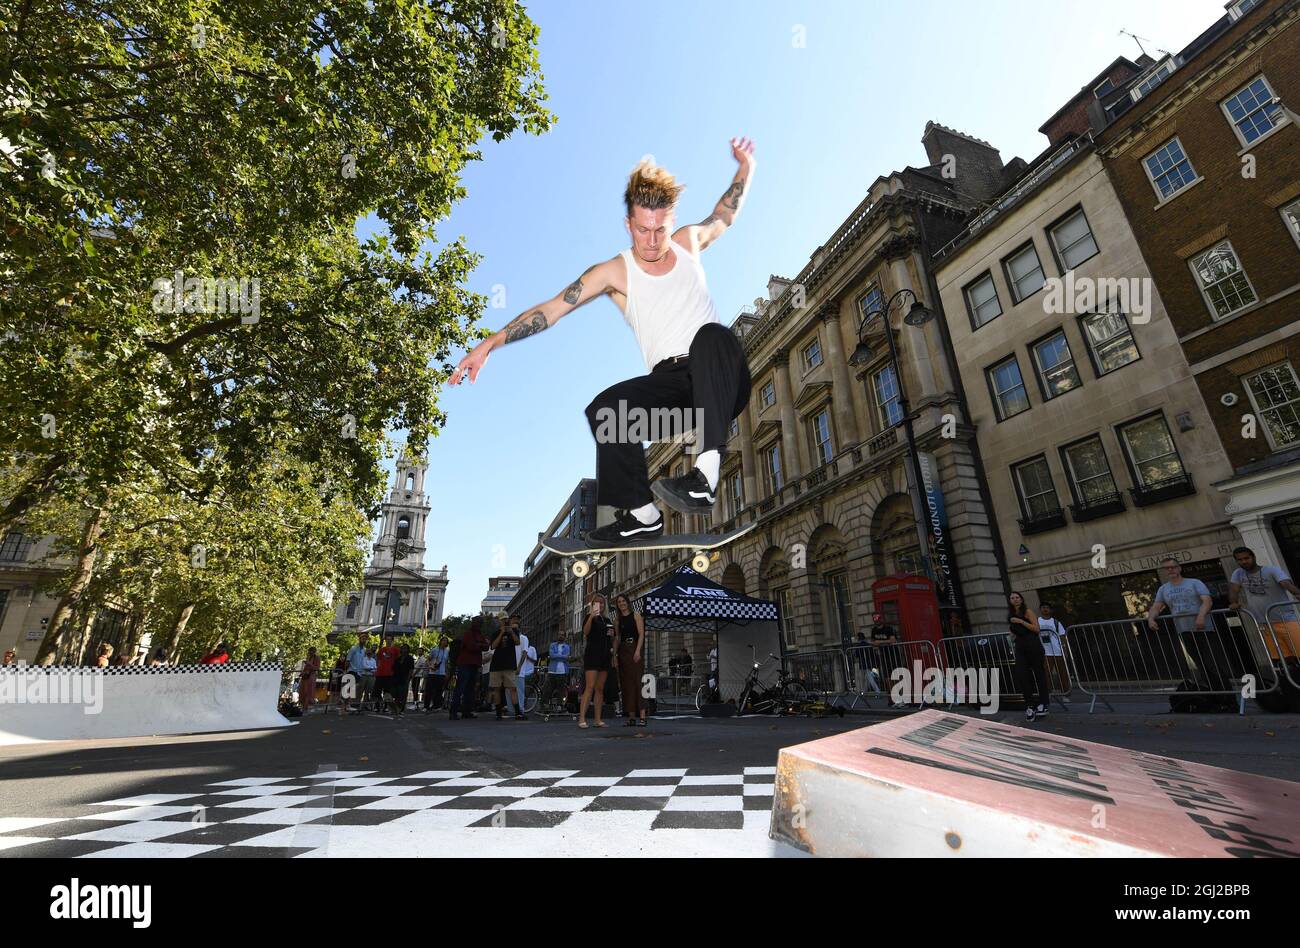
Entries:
{"x":71,"y":704}
{"x":938,"y":784}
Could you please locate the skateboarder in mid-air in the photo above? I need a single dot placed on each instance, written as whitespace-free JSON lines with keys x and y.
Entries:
{"x":694,"y":361}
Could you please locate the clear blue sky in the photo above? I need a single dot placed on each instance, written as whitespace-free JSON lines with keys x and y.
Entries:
{"x":677,"y":79}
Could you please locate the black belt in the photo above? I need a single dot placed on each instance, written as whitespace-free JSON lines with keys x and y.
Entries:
{"x":669,"y":363}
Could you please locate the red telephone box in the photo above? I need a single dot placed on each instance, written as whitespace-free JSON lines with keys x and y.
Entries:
{"x":911,"y":605}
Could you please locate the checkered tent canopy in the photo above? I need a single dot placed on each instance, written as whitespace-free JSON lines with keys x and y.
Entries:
{"x":687,"y":594}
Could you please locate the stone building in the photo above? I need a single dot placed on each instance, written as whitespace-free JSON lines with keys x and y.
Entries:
{"x":817,"y":459}
{"x":396,"y":575}
{"x":545,"y":601}
{"x":1099,"y":451}
{"x":1204,"y":153}
{"x":501,"y":589}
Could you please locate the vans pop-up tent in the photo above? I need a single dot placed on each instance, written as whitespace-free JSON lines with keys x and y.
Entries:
{"x":747,"y":630}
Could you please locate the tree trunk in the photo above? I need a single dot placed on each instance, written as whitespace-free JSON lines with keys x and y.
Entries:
{"x":178,"y":629}
{"x":81,"y":577}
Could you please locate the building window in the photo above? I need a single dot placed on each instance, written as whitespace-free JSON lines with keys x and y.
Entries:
{"x":1169,"y":169}
{"x":772,"y":469}
{"x":1254,"y":111}
{"x":1110,"y":341}
{"x":982,"y":301}
{"x":823,"y":447}
{"x":1035,"y":488}
{"x":733,"y":429}
{"x":1291,"y":217}
{"x":1056,"y":372}
{"x":1008,"y":388}
{"x":1105,"y":89}
{"x":1240,"y":8}
{"x":1089,"y":472}
{"x":812,"y":355}
{"x":1222,"y":281}
{"x":1275,"y":395}
{"x":872,"y":301}
{"x":1024,"y":273}
{"x":885,"y":385}
{"x":841,"y":604}
{"x":352,"y":607}
{"x":1072,"y":240}
{"x":14,"y":547}
{"x":1159,"y":74}
{"x":403,"y":528}
{"x":786,"y":613}
{"x":1151,"y":451}
{"x":767,"y":395}
{"x":736,"y":489}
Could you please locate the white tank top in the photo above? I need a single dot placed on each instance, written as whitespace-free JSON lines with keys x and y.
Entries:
{"x":666,"y":311}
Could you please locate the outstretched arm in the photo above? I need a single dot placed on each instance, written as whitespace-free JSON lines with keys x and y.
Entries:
{"x":728,"y":207}
{"x":595,"y":281}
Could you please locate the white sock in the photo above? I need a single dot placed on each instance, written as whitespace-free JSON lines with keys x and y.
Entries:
{"x":707,"y":464}
{"x":647,"y":514}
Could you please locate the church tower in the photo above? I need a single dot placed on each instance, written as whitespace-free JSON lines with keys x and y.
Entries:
{"x":400,"y":595}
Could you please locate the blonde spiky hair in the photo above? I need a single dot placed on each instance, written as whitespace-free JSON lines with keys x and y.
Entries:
{"x":651,"y":187}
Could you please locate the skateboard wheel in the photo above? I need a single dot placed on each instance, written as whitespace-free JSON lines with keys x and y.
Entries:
{"x":581,"y":568}
{"x":700,"y":563}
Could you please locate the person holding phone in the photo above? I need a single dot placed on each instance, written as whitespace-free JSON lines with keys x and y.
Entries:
{"x":598,"y":634}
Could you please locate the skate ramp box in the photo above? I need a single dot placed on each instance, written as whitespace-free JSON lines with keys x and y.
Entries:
{"x":937,"y":784}
{"x":69,"y":704}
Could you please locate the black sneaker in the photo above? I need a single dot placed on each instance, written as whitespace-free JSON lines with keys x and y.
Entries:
{"x":625,"y":527}
{"x":689,"y":493}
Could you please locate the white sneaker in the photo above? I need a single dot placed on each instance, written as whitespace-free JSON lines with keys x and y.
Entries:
{"x":1029,"y":714}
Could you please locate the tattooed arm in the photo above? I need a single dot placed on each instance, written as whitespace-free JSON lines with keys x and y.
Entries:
{"x":728,"y":207}
{"x":595,"y":281}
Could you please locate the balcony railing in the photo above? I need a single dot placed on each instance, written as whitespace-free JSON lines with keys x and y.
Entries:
{"x":1165,"y":489}
{"x":1099,"y":507}
{"x":1041,"y":522}
{"x":883,"y":441}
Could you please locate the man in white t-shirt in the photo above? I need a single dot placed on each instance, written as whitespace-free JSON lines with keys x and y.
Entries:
{"x":1265,"y":587}
{"x":697,"y":378}
{"x":1052,"y":632}
{"x":525,"y":655}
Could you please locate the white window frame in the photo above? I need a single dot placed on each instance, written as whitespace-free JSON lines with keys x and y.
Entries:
{"x":1013,"y":287}
{"x":971,"y":306}
{"x":773,"y":474}
{"x":881,"y":414}
{"x":1094,"y":355}
{"x":762,"y":395}
{"x":1133,"y":463}
{"x":736,"y":491}
{"x":1146,"y":167}
{"x":1282,"y":119}
{"x":1254,"y":404}
{"x":808,"y":364}
{"x":1046,"y":389}
{"x":1291,"y":224}
{"x":1239,"y":9}
{"x":1241,"y":268}
{"x":873,"y":289}
{"x":1060,"y":251}
{"x":997,"y":395}
{"x":825,"y":450}
{"x":1076,"y":489}
{"x":1023,"y":494}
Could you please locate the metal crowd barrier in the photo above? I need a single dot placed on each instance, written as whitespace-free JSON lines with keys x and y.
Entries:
{"x":1125,"y":657}
{"x":871,"y":668}
{"x":1282,"y":622}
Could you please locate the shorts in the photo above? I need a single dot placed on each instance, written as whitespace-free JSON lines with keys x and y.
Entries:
{"x":501,"y":679}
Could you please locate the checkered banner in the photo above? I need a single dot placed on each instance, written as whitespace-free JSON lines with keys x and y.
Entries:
{"x":687,"y":593}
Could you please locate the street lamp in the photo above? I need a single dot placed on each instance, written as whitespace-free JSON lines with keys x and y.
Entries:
{"x":917,"y":316}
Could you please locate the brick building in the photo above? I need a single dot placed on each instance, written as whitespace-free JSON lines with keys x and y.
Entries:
{"x":1204,"y":152}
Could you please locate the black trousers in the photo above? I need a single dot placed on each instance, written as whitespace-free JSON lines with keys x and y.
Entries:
{"x":712,"y":383}
{"x":1031,"y":663}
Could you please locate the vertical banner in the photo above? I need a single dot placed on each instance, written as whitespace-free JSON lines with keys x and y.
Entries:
{"x":942,"y":558}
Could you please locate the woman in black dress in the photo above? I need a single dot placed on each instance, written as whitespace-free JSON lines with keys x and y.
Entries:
{"x":1031,"y":660}
{"x":598,"y":632}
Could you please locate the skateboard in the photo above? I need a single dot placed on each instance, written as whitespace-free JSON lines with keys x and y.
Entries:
{"x":587,"y":556}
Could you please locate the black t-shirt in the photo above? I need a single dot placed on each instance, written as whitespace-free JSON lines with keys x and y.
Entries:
{"x":503,"y":659}
{"x":598,"y":641}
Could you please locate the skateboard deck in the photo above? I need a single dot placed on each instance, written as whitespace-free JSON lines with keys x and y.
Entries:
{"x":586,"y":552}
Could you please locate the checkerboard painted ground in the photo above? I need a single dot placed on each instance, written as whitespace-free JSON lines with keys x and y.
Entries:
{"x":435,"y":813}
